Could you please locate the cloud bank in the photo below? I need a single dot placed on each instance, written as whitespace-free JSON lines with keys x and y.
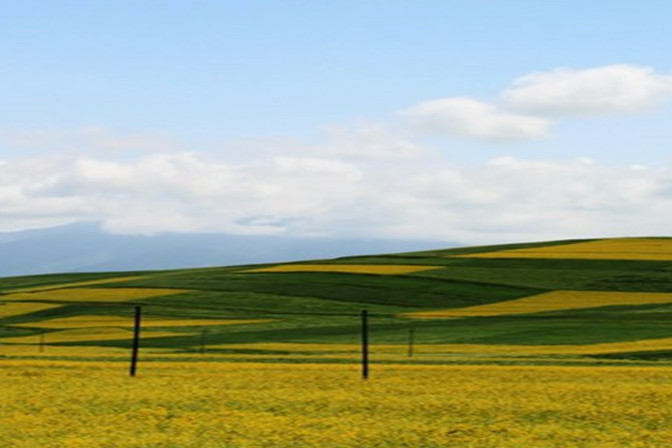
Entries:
{"x":367,"y":179}
{"x":504,"y":199}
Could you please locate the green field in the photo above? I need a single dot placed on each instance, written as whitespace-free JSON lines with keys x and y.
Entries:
{"x":259,"y":308}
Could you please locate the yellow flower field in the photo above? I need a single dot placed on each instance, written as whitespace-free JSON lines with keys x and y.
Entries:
{"x":33,"y":348}
{"x":303,"y":347}
{"x":551,"y":301}
{"x":390,"y":269}
{"x":611,"y":249}
{"x":86,"y":334}
{"x":61,"y":404}
{"x":434,"y":351}
{"x":92,"y":294}
{"x":97,"y":321}
{"x":30,"y":346}
{"x":530,"y":350}
{"x":19,"y":308}
{"x":73,"y":284}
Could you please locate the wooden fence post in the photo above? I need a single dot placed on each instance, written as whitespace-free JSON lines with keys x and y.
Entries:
{"x":136,"y":340}
{"x":365,"y":345}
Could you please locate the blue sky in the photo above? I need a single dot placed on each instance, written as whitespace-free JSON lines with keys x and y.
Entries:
{"x":304,"y":117}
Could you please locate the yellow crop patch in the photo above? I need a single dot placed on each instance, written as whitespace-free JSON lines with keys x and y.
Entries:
{"x":34,"y":348}
{"x":19,"y":308}
{"x":380,"y":269}
{"x":531,"y":350}
{"x":92,"y":294}
{"x":552,"y":301}
{"x":99,"y":321}
{"x":300,"y":347}
{"x":58,"y":404}
{"x":609,"y":249}
{"x":620,"y":347}
{"x":87,"y":334}
{"x":73,"y":284}
{"x":423,"y":351}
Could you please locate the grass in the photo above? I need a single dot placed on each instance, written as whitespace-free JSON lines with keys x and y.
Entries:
{"x":376,"y":269}
{"x":611,"y":300}
{"x":410,"y":291}
{"x":546,"y":352}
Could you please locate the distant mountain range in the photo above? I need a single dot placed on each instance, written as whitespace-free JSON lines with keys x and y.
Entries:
{"x":85,"y":247}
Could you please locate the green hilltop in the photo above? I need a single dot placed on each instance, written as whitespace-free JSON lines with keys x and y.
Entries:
{"x":318,"y":306}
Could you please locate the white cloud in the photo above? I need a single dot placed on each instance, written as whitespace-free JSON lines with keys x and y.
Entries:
{"x":366,"y":139}
{"x":87,"y":140}
{"x":469,"y":118}
{"x":303,"y":165}
{"x":599,"y":90}
{"x":177,"y":191}
{"x":365,"y":179}
{"x":523,"y":111}
{"x":505,"y":199}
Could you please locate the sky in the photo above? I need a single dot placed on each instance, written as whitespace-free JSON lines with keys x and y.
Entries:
{"x":471,"y":121}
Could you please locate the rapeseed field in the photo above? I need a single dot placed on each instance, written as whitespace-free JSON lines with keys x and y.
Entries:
{"x":608,"y":249}
{"x":20,"y":308}
{"x":234,"y":360}
{"x":85,"y":335}
{"x":99,"y":321}
{"x":552,"y":301}
{"x":67,"y":404}
{"x":425,"y":352}
{"x":60,"y":285}
{"x":91,"y":294}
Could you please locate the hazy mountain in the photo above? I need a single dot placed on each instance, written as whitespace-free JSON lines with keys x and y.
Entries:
{"x":85,"y":247}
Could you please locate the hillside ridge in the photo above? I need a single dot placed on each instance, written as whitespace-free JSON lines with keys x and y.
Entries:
{"x":579,"y":293}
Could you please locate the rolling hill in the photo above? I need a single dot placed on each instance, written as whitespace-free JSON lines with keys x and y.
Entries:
{"x":88,"y":247}
{"x":595,"y":298}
